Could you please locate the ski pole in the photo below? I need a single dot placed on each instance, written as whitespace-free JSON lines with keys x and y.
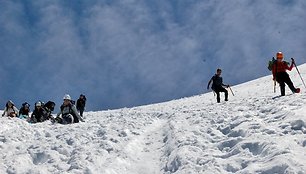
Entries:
{"x":231,"y":90}
{"x":298,"y":72}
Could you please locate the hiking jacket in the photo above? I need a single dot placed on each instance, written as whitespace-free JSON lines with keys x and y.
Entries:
{"x":280,"y":67}
{"x":38,"y":115}
{"x":81,"y":104}
{"x":217,"y":82}
{"x":23,"y":111}
{"x":7,"y":111}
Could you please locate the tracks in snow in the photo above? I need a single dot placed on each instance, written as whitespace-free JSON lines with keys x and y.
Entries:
{"x":143,"y":153}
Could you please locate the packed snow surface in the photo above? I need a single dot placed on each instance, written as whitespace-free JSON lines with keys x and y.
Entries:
{"x":254,"y":132}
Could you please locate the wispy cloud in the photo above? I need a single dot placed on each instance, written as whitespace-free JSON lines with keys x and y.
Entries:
{"x":126,"y":53}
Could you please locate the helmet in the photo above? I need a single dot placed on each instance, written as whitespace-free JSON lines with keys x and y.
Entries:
{"x":279,"y":55}
{"x":67,"y":97}
{"x":38,"y":104}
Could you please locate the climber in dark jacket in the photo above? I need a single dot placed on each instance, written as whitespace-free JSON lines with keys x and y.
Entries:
{"x":217,"y":85}
{"x":81,"y":102}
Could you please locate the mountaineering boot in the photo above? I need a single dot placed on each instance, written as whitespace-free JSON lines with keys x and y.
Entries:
{"x":298,"y":90}
{"x":282,"y":91}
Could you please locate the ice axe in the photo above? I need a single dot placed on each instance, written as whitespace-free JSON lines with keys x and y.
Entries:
{"x":298,"y":72}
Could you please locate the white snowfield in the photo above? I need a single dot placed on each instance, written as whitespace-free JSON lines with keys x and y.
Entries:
{"x":251,"y":133}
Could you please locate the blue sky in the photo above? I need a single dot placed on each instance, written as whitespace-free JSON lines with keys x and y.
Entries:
{"x":129,"y":53}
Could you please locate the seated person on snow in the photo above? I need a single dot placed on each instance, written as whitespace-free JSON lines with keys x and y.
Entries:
{"x":24,"y":111}
{"x":10,"y":110}
{"x":68,"y":113}
{"x":38,"y":113}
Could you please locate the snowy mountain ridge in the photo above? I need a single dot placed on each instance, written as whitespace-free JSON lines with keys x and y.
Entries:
{"x":254,"y":132}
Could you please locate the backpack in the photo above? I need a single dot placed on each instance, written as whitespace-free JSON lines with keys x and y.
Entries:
{"x":271,"y":63}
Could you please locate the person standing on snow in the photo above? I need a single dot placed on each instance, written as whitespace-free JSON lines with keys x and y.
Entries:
{"x":81,"y":102}
{"x":217,"y":85}
{"x":68,"y":113}
{"x":279,"y":73}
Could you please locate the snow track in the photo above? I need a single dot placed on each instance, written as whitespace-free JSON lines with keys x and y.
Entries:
{"x":143,"y":153}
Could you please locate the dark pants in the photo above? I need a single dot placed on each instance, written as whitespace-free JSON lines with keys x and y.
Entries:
{"x":282,"y":78}
{"x":67,"y":119}
{"x":218,"y":90}
{"x":81,"y":112}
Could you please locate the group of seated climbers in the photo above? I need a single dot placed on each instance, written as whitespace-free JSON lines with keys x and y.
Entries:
{"x":69,"y":113}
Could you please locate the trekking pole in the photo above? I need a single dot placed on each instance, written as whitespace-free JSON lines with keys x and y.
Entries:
{"x":274,"y":86}
{"x":231,"y":90}
{"x":298,"y":72}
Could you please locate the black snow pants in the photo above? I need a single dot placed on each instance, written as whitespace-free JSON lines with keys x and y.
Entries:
{"x":218,"y":90}
{"x":282,"y":78}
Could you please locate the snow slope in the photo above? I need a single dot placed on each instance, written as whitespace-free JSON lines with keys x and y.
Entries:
{"x":254,"y":132}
